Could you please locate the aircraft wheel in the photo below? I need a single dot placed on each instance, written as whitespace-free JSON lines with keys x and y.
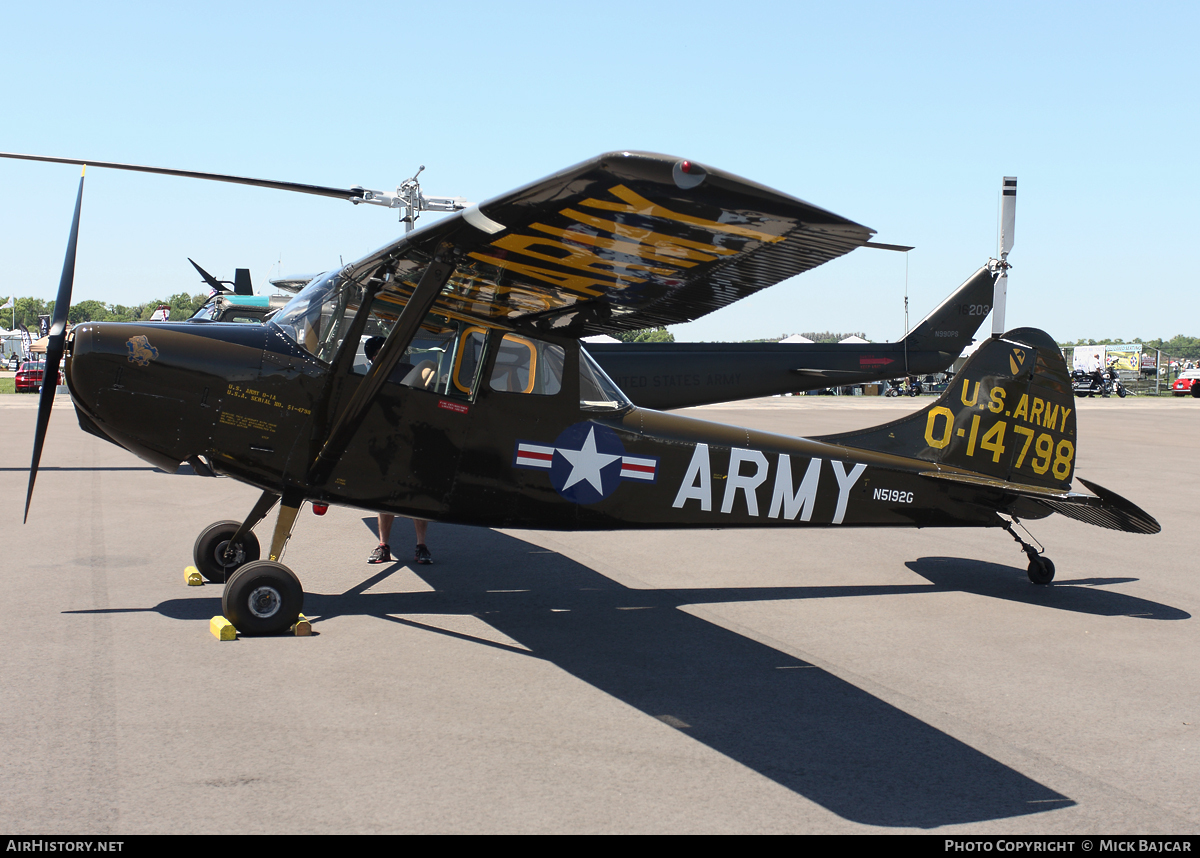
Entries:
{"x":262,"y":598}
{"x":209,"y":551}
{"x":1195,"y":391}
{"x":1041,"y":570}
{"x":1121,"y":392}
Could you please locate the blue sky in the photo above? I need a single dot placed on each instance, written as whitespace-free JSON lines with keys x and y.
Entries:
{"x":903,"y":117}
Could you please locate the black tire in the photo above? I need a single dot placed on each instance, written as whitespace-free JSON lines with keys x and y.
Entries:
{"x":1041,"y":571}
{"x":1121,"y":392}
{"x":209,"y":551}
{"x":262,"y":598}
{"x":1195,"y":390}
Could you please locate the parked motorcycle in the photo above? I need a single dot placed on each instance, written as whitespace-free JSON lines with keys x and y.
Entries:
{"x":898,"y":387}
{"x":1103,"y":383}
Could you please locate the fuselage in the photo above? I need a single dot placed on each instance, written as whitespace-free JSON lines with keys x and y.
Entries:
{"x":248,"y":399}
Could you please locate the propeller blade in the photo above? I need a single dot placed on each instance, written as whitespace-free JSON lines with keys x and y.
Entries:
{"x":54,"y":347}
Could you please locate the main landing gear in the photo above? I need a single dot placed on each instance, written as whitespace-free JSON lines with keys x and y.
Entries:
{"x":261,"y":597}
{"x":1041,"y":567}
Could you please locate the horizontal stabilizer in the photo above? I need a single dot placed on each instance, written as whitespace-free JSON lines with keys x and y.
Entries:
{"x":1104,"y":508}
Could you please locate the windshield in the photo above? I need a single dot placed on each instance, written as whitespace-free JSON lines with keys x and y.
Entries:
{"x":316,"y":317}
{"x":207,"y":312}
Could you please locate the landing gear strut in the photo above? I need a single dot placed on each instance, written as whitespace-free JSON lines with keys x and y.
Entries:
{"x":1041,"y":567}
{"x":262,"y":597}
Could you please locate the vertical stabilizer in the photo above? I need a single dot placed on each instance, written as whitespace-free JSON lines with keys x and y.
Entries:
{"x":1009,"y":414}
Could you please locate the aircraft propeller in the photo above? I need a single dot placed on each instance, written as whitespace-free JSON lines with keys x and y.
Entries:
{"x":1008,"y":219}
{"x":54,"y":346}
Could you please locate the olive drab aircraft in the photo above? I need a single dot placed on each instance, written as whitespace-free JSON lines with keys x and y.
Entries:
{"x":481,"y":407}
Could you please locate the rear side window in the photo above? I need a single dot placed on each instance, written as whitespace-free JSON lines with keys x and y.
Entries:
{"x":523,"y":364}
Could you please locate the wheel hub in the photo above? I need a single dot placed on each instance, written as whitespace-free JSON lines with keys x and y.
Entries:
{"x":230,"y":556}
{"x":264,"y":602}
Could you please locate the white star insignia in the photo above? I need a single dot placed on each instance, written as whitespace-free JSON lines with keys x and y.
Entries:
{"x":587,"y":463}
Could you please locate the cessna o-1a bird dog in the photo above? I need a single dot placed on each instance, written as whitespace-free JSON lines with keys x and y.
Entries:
{"x":482,"y":408}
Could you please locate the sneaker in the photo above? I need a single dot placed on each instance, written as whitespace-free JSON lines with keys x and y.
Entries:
{"x":382,"y":554}
{"x":423,"y":556}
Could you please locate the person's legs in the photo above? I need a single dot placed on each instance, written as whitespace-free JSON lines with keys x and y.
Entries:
{"x":383,"y":553}
{"x":422,"y":553}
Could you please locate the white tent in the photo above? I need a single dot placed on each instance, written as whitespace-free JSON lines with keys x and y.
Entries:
{"x":796,"y":338}
{"x":601,"y":338}
{"x":853,"y":339}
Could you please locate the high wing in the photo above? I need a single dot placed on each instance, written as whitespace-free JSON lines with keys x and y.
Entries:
{"x":625,"y":241}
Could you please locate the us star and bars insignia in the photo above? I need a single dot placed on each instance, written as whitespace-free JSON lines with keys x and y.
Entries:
{"x":586,"y":462}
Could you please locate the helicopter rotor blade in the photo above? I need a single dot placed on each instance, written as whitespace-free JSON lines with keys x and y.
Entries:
{"x":213,"y":283}
{"x":54,"y":347}
{"x":352,"y":194}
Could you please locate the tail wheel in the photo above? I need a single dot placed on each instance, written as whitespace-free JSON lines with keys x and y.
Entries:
{"x":263,"y":598}
{"x":1041,"y":570}
{"x":216,"y":558}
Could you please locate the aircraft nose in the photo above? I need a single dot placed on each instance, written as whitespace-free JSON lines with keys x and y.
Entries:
{"x":101,"y":353}
{"x":153,"y":387}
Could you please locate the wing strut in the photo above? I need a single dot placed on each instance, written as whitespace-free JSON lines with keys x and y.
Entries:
{"x":432,"y":280}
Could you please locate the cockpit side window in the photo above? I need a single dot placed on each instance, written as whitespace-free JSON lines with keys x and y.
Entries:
{"x":426,"y":362}
{"x":522,"y":365}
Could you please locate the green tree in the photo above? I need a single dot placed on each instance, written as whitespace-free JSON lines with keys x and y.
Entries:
{"x":646,"y":335}
{"x":88,"y":311}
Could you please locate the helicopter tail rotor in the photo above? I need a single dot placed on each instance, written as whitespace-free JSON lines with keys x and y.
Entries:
{"x":1008,"y":220}
{"x":54,"y":346}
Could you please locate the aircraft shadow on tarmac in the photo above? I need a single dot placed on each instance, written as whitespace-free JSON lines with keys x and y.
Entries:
{"x":788,"y":720}
{"x":1006,"y":582}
